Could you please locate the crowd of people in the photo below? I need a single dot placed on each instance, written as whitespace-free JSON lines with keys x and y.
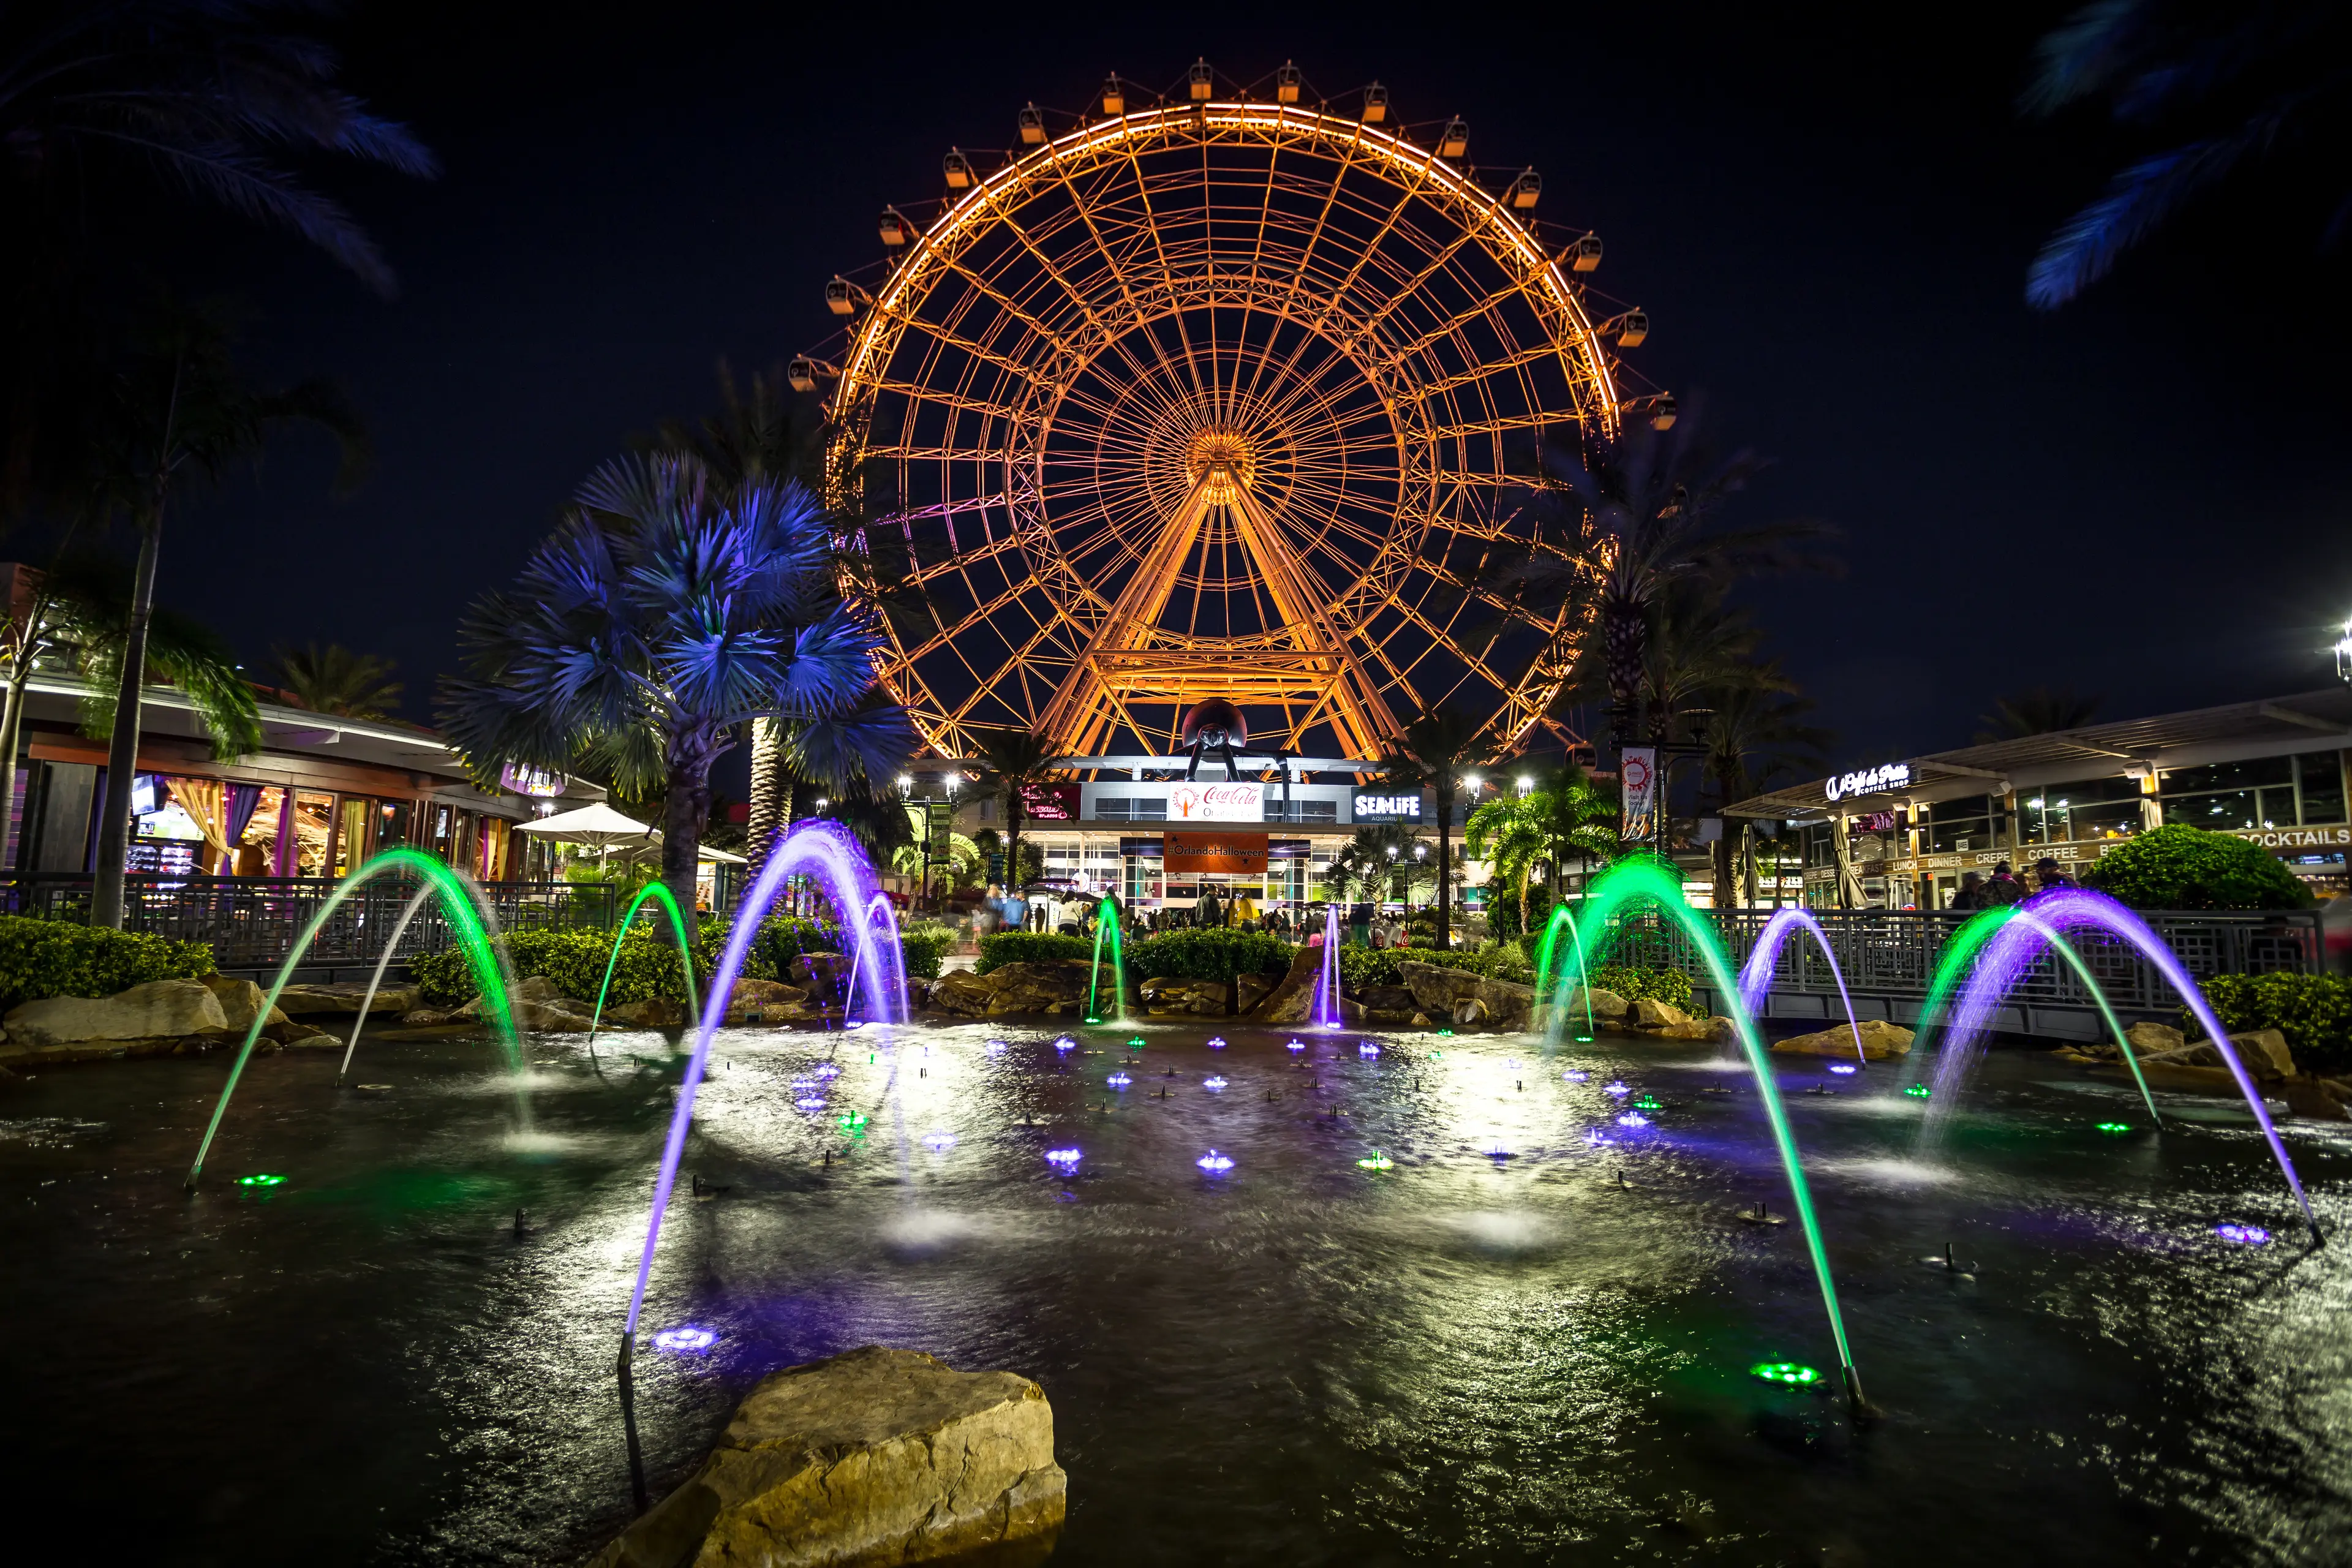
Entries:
{"x":1978,"y":891}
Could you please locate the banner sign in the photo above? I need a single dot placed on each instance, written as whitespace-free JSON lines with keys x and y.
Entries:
{"x":1637,"y":783}
{"x":1050,"y":802}
{"x":1370,"y":807}
{"x":1234,"y":854}
{"x":1217,"y":803}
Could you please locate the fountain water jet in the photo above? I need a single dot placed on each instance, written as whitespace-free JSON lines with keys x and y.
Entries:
{"x":1756,"y":978}
{"x":469,"y":917}
{"x":1327,"y":985}
{"x":826,"y":850}
{"x":1107,"y":927}
{"x":1645,"y":880}
{"x":2042,"y":924}
{"x":654,"y":889}
{"x":1562,"y":919}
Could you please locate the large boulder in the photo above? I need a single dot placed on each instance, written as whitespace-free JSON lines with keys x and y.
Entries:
{"x":878,"y":1456}
{"x":1506,"y":1004}
{"x":1249,"y":990}
{"x":536,"y":1005}
{"x":1880,"y":1040}
{"x":1056,"y":986}
{"x":345,"y":997}
{"x":653,"y":1013}
{"x":157,"y":1010}
{"x":1167,"y":996}
{"x":2319,"y":1098}
{"x":2153,"y":1039}
{"x":1436,"y":988}
{"x":1292,"y":1000}
{"x":767,"y":1002}
{"x":2263,"y":1053}
{"x":963,"y":991}
{"x":1605,"y":1004}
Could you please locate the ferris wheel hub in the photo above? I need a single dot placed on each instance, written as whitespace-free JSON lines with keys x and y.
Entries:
{"x":1225,"y":459}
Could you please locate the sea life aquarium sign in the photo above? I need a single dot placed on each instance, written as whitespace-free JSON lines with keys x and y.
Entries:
{"x":1869,"y":780}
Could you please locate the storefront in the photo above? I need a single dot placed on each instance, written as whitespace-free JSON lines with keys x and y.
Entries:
{"x":1901,"y":835}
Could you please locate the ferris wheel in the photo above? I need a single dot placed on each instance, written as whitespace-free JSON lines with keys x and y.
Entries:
{"x":1219,"y":393}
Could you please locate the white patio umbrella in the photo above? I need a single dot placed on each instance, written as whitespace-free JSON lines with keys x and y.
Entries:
{"x":598,"y":826}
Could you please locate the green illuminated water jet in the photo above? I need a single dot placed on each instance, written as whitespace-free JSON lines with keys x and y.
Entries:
{"x":654,"y":889}
{"x":1648,"y":881}
{"x":1562,"y":919}
{"x":468,"y":914}
{"x":1107,"y":927}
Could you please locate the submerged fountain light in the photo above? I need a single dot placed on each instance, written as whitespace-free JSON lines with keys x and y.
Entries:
{"x":1596,"y":1137}
{"x":1065,"y":1159}
{"x":1497,"y":1153}
{"x":1213,"y":1082}
{"x":1918,"y":1091}
{"x":261,"y":1180}
{"x":688,"y":1338}
{"x":2112,"y":1128}
{"x":1617,"y":1087}
{"x":1376,"y":1161}
{"x":1843,"y":1070}
{"x":1118,"y":1080}
{"x":1367,"y":1049}
{"x":1795,"y":1375}
{"x":855,"y":1123}
{"x":1574,"y":1075}
{"x":1296,"y":1045}
{"x":1135,"y":1043}
{"x":1436,"y":1055}
{"x":827,"y":1070}
{"x":1216,"y":1164}
{"x":1648,"y":1102}
{"x":1217,"y":1042}
{"x":1633,"y":1118}
{"x":995,"y":1047}
{"x":938,"y":1143}
{"x":2243,"y":1235}
{"x":811,"y":1102}
{"x":1065,"y":1044}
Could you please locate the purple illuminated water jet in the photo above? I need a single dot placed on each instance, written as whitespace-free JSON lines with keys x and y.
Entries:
{"x":1755,"y":976}
{"x":2049,"y":917}
{"x":1327,"y":984}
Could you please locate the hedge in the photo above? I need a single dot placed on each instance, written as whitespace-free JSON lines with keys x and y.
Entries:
{"x":40,"y":959}
{"x":1217,"y":953}
{"x":2182,"y":867}
{"x":1029,"y":947}
{"x":1632,"y":980}
{"x":574,"y":960}
{"x":2313,"y":1010}
{"x":1362,"y":966}
{"x":922,"y":944}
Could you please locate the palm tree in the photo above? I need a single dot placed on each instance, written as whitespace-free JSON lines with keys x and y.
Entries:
{"x":2234,"y":82}
{"x":1016,"y":758}
{"x":2040,"y":710}
{"x":668,"y":609}
{"x":1653,"y":499}
{"x":1377,"y":863}
{"x":1562,"y":816}
{"x":178,"y":406}
{"x":334,"y":680}
{"x":1755,"y":733}
{"x":1433,"y":753}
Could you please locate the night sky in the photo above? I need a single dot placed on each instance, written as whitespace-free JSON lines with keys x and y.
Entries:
{"x":2141,"y":496}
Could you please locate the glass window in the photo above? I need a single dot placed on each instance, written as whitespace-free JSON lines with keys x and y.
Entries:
{"x":2228,"y":775}
{"x":2321,"y":777}
{"x":2225,"y":809}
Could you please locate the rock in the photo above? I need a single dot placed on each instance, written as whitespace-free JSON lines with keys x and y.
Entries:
{"x":534,"y":1005}
{"x":1056,"y":986}
{"x":161,"y":1009}
{"x":1249,"y":990}
{"x":1649,"y":1013}
{"x":821,"y":973}
{"x":239,"y":1001}
{"x":2153,"y":1039}
{"x":313,"y":1042}
{"x":1167,"y":996}
{"x":1605,"y":1004}
{"x":1880,"y":1040}
{"x":764,"y":994}
{"x":1722,"y":1028}
{"x":1421,"y":1020}
{"x":654,"y":1013}
{"x":964,"y":993}
{"x":2318,"y":1098}
{"x":1283,"y":1004}
{"x":427,"y":1017}
{"x":346,"y":997}
{"x":1506,"y":1002}
{"x":1472,"y":1012}
{"x":878,"y":1456}
{"x":1436,"y":988}
{"x":2263,"y":1052}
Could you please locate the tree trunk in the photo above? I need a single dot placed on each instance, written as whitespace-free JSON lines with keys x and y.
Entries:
{"x":691,"y":752}
{"x":770,"y":794}
{"x":11,"y":726}
{"x":1012,"y":816}
{"x":1725,"y":896}
{"x":1445,"y":861}
{"x":123,"y":748}
{"x":1623,"y":637}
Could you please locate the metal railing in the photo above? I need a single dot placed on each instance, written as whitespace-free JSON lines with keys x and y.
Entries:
{"x":254,"y":920}
{"x":1894,"y":953}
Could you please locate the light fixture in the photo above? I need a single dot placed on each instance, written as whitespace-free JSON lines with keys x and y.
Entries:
{"x":1525,"y":783}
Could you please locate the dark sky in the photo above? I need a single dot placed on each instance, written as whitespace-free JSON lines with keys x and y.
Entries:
{"x":2142,"y":497}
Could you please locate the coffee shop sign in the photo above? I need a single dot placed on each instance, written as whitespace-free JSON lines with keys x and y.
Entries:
{"x":1870,"y":781}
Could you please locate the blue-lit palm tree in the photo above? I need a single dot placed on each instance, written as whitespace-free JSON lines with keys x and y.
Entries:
{"x":2226,"y":85}
{"x":669,"y":610}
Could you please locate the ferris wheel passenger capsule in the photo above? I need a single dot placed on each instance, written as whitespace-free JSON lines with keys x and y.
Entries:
{"x":841,"y":297}
{"x":1114,"y":97}
{"x":1455,"y":139}
{"x":1633,"y":327}
{"x":1662,"y":411}
{"x":1286,"y":83}
{"x":1526,"y":189}
{"x":1202,"y":79}
{"x":1376,"y":104}
{"x":1584,"y":255}
{"x":1033,"y":126}
{"x":958,"y":168}
{"x":893,"y":226}
{"x":802,"y":372}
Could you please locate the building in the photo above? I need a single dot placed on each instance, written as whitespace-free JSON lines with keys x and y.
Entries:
{"x":1899,"y":834}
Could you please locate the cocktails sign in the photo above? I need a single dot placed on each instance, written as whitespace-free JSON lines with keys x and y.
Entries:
{"x":1217,"y":803}
{"x":1869,"y":780}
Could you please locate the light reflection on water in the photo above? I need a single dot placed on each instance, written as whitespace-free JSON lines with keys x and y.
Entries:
{"x":1298,"y":1360}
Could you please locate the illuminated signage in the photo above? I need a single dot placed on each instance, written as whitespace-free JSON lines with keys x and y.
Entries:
{"x":1870,"y":781}
{"x":1191,"y":854}
{"x":1050,"y":802}
{"x":1217,"y":803}
{"x":1387,"y":808}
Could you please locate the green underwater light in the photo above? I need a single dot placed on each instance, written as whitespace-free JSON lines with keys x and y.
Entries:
{"x":1135,"y":1044}
{"x":2114,"y":1127}
{"x":261,"y":1180}
{"x":854,"y":1124}
{"x":1377,"y":1162}
{"x":1649,"y":1102}
{"x":1794,"y":1375}
{"x":1918,"y":1091}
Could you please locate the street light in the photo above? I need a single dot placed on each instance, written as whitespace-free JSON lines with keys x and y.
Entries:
{"x":906,"y":783}
{"x":2344,"y":653}
{"x":1526,"y":784}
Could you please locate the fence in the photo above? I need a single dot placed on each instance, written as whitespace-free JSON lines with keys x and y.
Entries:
{"x":253,"y":921}
{"x":1889,"y":959}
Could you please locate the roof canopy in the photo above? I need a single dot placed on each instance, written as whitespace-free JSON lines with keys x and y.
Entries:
{"x":2310,"y":721}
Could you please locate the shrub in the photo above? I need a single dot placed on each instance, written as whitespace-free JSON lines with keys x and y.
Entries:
{"x":1361,"y":966}
{"x":2183,"y":867}
{"x":1502,"y":908}
{"x":922,"y":944}
{"x":1632,"y":981}
{"x":2313,"y":1010}
{"x":572,"y":961}
{"x":40,"y":959}
{"x":1218,"y":953}
{"x":1029,"y":947}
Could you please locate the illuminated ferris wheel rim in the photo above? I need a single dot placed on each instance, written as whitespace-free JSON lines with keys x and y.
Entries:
{"x":987,"y":197}
{"x":1433,"y":394}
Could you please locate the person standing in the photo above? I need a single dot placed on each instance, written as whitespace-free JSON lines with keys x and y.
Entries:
{"x":1970,"y":894}
{"x":2048,"y":873}
{"x":2004,"y":888}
